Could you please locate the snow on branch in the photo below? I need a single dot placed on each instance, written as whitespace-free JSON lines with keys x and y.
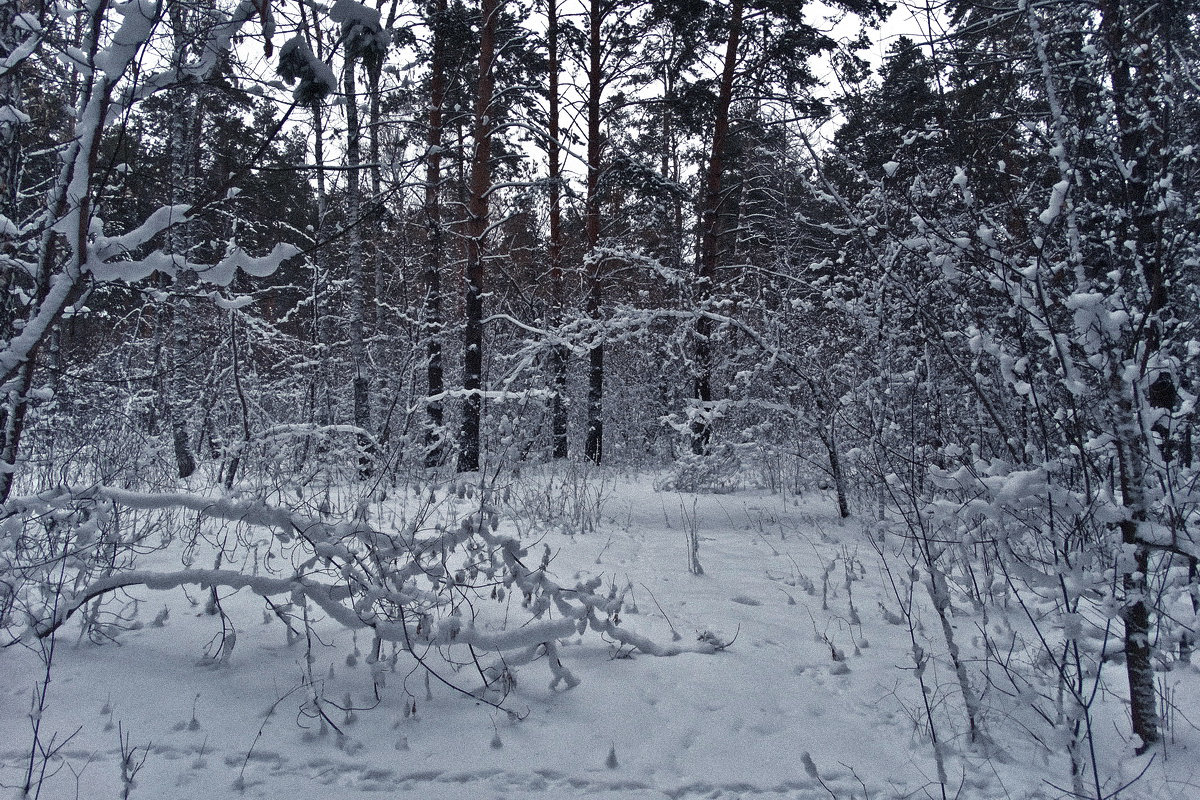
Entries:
{"x":138,"y":20}
{"x":17,"y":349}
{"x":411,"y":586}
{"x":216,"y":43}
{"x":221,"y":273}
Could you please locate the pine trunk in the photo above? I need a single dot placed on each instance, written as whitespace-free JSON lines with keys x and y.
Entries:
{"x":357,"y":266}
{"x":559,"y":354}
{"x":594,"y":444}
{"x":434,"y":435}
{"x":477,"y":224}
{"x":710,"y":232}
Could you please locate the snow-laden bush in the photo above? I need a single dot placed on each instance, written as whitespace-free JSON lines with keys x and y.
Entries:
{"x":440,"y":583}
{"x":571,"y":498}
{"x":717,"y":471}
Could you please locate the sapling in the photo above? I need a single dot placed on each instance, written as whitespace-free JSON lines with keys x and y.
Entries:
{"x":43,"y":750}
{"x":77,"y":773}
{"x":691,"y":537}
{"x":239,"y":783}
{"x":902,"y":591}
{"x":193,"y":724}
{"x":675,"y":635}
{"x":131,"y":764}
{"x":200,"y":761}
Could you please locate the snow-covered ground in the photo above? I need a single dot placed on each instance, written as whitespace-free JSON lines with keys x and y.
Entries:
{"x":814,"y":698}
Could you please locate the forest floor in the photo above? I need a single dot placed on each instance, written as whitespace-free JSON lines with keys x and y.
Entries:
{"x":815,"y":696}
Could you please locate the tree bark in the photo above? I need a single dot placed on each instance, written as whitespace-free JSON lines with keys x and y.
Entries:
{"x":838,"y":474}
{"x":477,"y":225}
{"x":53,"y":290}
{"x":179,"y":244}
{"x":377,"y":214}
{"x":12,"y":412}
{"x":176,"y":344}
{"x":1134,"y":82}
{"x":710,"y":231}
{"x":318,"y":395}
{"x":434,"y":435}
{"x":1143,"y":700}
{"x":10,"y":126}
{"x":559,"y":354}
{"x":357,"y":266}
{"x":594,"y":443}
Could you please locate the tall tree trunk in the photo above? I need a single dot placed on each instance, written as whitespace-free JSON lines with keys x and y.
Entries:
{"x":12,"y":425}
{"x":559,"y":355}
{"x":176,"y":345}
{"x":377,"y":215}
{"x":594,"y":444}
{"x":10,"y":125}
{"x":477,"y":224}
{"x":317,"y":386}
{"x":53,"y":290}
{"x":12,"y":411}
{"x":434,"y":435}
{"x":710,"y":232}
{"x":1139,"y":668}
{"x":1129,"y":31}
{"x":318,"y":403}
{"x":669,"y":157}
{"x":179,"y":244}
{"x":358,"y":348}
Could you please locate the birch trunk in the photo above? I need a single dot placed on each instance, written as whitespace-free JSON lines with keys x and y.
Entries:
{"x":179,"y":244}
{"x":357,"y":266}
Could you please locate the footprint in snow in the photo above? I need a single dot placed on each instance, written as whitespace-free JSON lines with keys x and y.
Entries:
{"x":746,"y":601}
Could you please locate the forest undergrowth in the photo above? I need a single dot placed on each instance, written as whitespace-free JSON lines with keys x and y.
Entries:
{"x":684,"y":398}
{"x":469,"y":592}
